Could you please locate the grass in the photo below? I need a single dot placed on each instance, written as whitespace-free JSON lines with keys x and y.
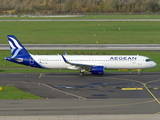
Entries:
{"x":36,"y":70}
{"x":122,"y":17}
{"x":81,"y":32}
{"x":154,"y":55}
{"x":10,"y":92}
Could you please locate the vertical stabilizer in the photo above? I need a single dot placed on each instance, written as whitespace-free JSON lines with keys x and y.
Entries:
{"x":17,"y":49}
{"x":19,"y":54}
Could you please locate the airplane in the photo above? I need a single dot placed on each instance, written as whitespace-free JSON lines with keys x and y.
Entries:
{"x":96,"y":64}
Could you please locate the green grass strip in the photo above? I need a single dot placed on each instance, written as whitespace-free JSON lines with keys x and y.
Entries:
{"x":10,"y":92}
{"x":85,"y":32}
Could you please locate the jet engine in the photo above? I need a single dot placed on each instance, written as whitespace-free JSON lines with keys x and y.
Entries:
{"x":97,"y":70}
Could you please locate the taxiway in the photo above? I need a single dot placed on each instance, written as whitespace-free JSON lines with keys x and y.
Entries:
{"x":87,"y":47}
{"x":69,"y":94}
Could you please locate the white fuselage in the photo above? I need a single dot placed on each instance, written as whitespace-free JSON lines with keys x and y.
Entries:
{"x":108,"y":61}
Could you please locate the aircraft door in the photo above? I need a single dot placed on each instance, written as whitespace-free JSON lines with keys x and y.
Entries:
{"x":139,"y":62}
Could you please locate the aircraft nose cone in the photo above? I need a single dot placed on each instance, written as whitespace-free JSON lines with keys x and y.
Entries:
{"x":154,"y":64}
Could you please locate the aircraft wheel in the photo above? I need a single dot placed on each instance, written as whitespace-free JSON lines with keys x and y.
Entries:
{"x":81,"y":74}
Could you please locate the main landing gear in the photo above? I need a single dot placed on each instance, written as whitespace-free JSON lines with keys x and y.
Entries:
{"x":81,"y":73}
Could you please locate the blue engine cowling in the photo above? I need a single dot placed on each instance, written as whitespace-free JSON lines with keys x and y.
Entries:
{"x":97,"y":70}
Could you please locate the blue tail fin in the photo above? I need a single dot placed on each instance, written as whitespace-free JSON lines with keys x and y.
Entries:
{"x":17,"y":49}
{"x":19,"y":54}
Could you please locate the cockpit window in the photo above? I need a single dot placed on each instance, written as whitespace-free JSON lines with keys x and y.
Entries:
{"x":147,"y":60}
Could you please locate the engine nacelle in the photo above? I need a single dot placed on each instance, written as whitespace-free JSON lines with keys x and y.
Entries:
{"x":97,"y":70}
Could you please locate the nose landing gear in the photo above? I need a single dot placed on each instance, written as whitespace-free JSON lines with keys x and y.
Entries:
{"x":139,"y":72}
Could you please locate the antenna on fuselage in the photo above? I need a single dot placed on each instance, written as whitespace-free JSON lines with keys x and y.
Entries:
{"x":65,"y":53}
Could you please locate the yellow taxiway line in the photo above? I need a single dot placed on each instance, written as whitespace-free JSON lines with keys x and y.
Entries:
{"x":132,"y":88}
{"x":144,"y":84}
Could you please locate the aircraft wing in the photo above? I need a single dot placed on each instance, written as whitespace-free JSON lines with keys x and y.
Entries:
{"x":81,"y":66}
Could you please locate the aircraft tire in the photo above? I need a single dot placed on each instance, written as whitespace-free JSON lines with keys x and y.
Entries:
{"x":81,"y":74}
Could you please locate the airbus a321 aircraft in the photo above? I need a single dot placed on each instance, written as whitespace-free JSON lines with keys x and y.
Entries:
{"x":96,"y":64}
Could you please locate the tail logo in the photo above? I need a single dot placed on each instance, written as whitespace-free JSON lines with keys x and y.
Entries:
{"x":15,"y":47}
{"x":14,"y":44}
